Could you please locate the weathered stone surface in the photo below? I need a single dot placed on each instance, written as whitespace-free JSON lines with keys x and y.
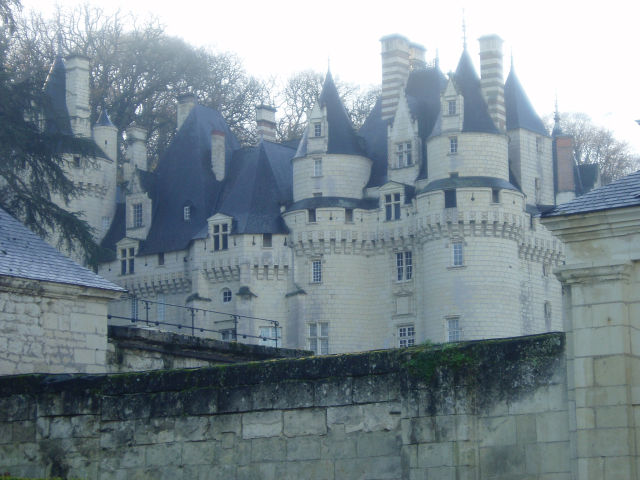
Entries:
{"x":305,"y":422}
{"x":261,"y":424}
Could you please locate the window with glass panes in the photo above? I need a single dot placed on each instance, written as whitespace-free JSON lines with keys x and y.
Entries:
{"x":457,"y":253}
{"x":127,"y":261}
{"x":221,"y":236}
{"x":454,"y":334}
{"x":453,"y":144}
{"x":404,"y":266}
{"x":137,"y":215}
{"x":270,"y":336}
{"x":317,"y":167}
{"x":318,"y":339}
{"x":392,"y":206}
{"x":406,"y":336}
{"x":316,"y":271}
{"x":403,"y":155}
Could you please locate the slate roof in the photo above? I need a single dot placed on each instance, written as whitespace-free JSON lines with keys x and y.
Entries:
{"x":467,"y":182}
{"x":56,"y":113}
{"x":374,"y":133}
{"x":476,"y":113}
{"x":184,"y":177}
{"x":104,"y":120}
{"x":520,"y":112}
{"x":342,"y":136}
{"x":25,"y":255}
{"x":622,"y":193}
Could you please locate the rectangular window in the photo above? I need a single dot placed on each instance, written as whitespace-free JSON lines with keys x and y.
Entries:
{"x":127,"y":262}
{"x":406,"y":336}
{"x":317,"y":129}
{"x":450,"y":200}
{"x":187,"y":213}
{"x":348,"y":215}
{"x":539,"y":145}
{"x":453,"y":144}
{"x":317,"y":167}
{"x":312,"y":215}
{"x":76,"y":161}
{"x":318,"y":339}
{"x":160,"y":307}
{"x":454,"y":334}
{"x":452,"y":107}
{"x":495,"y":195}
{"x":221,"y":236}
{"x":270,"y":336}
{"x":404,"y":266}
{"x":106,"y":223}
{"x":457,"y":254}
{"x":161,"y":258}
{"x":228,"y":335}
{"x":403,"y":155}
{"x":316,"y":271}
{"x":137,"y":215}
{"x":392,"y":206}
{"x":267,"y":240}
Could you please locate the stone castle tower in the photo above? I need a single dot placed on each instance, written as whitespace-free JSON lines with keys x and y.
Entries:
{"x":422,"y":225}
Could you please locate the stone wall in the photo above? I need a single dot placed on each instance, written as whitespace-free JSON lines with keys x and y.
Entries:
{"x":133,"y":349}
{"x":52,"y":328}
{"x":491,"y":409}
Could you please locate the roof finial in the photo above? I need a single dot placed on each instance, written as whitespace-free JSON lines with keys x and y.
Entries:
{"x":329,"y":63}
{"x":557,"y":130}
{"x":512,"y":65}
{"x":464,"y":31}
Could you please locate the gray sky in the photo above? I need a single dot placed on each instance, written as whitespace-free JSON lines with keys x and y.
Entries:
{"x":583,"y":52}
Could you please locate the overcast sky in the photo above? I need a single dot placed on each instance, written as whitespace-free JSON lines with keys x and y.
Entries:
{"x":583,"y":52}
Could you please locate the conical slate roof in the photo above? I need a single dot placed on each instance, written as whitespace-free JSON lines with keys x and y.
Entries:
{"x":342,"y":136}
{"x":476,"y":113}
{"x":104,"y":120}
{"x":56,"y":113}
{"x":520,"y":112}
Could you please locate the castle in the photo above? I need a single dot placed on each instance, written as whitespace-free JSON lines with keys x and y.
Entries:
{"x":422,"y":225}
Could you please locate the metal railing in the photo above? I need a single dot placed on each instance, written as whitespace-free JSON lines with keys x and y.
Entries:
{"x":153,"y":313}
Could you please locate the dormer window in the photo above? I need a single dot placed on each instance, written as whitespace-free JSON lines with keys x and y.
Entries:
{"x":392,"y":206}
{"x":317,"y":129}
{"x":452,"y":107}
{"x":221,"y":236}
{"x":137,"y":215}
{"x":403,"y":155}
{"x":186,"y":213}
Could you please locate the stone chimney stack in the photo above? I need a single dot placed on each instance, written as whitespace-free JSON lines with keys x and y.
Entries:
{"x":396,"y":63}
{"x":136,"y":148}
{"x":564,"y":165}
{"x":218,"y":154}
{"x":491,"y":78}
{"x":417,"y":56}
{"x":266,"y":123}
{"x":185,"y":105}
{"x":77,"y":94}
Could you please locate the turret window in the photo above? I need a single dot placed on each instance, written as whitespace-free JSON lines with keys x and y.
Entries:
{"x":457,"y":255}
{"x":403,"y":155}
{"x":312,"y":215}
{"x":226,"y":295}
{"x":317,"y":167}
{"x":317,"y":130}
{"x":450,"y":200}
{"x":392,"y":206}
{"x":348,"y":215}
{"x":267,"y":240}
{"x":453,"y":144}
{"x":452,"y":107}
{"x":221,"y":236}
{"x":316,"y":271}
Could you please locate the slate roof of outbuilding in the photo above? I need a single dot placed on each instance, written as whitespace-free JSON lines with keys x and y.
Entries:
{"x":622,"y":193}
{"x":25,"y":255}
{"x":520,"y":112}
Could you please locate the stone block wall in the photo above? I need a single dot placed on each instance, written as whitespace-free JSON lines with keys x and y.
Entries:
{"x":492,"y":409}
{"x":51,"y":328}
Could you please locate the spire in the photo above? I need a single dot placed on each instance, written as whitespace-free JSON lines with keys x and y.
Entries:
{"x":520,"y":112}
{"x":557,"y":129}
{"x":103,"y":119}
{"x":464,"y":31}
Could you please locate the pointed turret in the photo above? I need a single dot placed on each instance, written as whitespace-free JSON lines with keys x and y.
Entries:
{"x":56,"y":113}
{"x":105,"y":134}
{"x":520,"y":112}
{"x":476,"y":113}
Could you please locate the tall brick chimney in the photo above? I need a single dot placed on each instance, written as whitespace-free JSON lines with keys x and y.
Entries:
{"x":563,"y":163}
{"x":491,"y":78}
